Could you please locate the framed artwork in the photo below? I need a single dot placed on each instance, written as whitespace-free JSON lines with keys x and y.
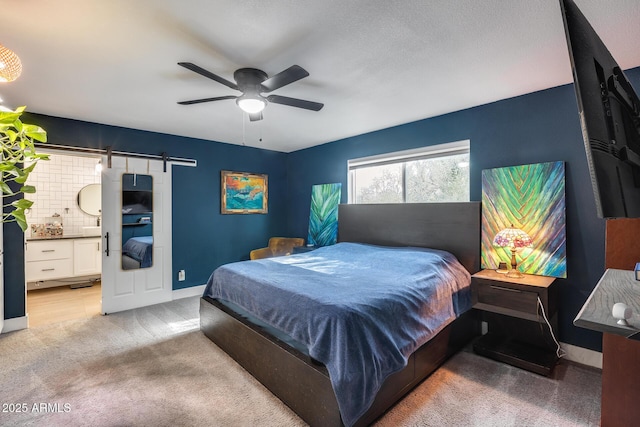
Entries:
{"x":323,"y":217}
{"x":530,"y":198}
{"x":244,"y":193}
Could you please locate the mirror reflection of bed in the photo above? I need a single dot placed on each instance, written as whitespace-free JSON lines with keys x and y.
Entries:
{"x":137,"y":253}
{"x":137,"y":221}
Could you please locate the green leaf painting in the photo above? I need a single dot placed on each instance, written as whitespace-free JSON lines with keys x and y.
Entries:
{"x":323,"y":219}
{"x":532,"y":198}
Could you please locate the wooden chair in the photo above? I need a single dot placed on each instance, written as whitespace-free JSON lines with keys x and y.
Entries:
{"x":278,"y":246}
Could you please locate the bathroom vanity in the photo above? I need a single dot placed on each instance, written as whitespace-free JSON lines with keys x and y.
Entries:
{"x":63,"y":260}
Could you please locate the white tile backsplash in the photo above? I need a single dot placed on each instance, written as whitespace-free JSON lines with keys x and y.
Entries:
{"x":57,"y":183}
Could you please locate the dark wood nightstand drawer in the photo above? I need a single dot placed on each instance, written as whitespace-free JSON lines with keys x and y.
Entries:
{"x":501,"y":298}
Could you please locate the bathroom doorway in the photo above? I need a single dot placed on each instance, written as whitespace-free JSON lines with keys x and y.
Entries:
{"x":63,"y":247}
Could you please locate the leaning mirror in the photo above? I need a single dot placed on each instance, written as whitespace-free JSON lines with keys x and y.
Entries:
{"x":137,"y":221}
{"x":89,"y":199}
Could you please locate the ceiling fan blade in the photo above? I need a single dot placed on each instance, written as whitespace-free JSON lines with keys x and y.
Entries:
{"x":255,"y":117}
{"x":294,"y":102}
{"x":208,"y":74}
{"x":283,"y":78}
{"x":198,"y":101}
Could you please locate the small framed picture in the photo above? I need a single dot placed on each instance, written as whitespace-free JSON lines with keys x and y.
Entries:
{"x":244,"y":193}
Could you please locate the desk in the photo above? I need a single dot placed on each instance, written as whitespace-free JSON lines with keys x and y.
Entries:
{"x":620,"y":356}
{"x":614,"y":286}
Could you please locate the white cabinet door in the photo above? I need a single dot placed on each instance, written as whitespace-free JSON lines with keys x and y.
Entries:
{"x":49,"y":260}
{"x":87,"y":257}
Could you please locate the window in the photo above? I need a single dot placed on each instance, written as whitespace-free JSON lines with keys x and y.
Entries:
{"x":437,"y":173}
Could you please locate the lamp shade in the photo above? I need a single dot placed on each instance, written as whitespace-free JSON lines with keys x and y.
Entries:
{"x":10,"y":65}
{"x":512,"y":237}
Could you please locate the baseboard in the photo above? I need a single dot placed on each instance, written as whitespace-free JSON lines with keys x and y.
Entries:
{"x":188,"y":292}
{"x":15,"y":324}
{"x":581,"y":355}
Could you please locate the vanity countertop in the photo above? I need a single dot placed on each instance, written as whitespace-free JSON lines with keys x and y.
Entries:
{"x":67,"y":236}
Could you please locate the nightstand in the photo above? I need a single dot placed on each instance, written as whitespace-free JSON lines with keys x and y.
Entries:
{"x":517,"y":333}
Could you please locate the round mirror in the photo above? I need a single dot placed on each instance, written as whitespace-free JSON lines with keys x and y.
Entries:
{"x":90,"y":199}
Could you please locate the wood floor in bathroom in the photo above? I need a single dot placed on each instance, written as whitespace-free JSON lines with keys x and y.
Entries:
{"x":53,"y":305}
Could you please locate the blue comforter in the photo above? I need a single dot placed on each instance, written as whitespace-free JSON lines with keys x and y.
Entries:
{"x":140,"y":249}
{"x":359,"y":309}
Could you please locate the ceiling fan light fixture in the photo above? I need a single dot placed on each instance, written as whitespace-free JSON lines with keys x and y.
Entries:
{"x":10,"y":65}
{"x":253,"y":83}
{"x":251,"y":104}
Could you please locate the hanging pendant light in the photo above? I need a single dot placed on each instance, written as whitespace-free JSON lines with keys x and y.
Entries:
{"x":10,"y":65}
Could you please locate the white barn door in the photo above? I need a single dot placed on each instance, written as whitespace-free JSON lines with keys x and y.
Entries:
{"x":127,"y":289}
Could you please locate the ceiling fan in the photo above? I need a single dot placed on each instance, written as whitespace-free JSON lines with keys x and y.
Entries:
{"x":253,"y":83}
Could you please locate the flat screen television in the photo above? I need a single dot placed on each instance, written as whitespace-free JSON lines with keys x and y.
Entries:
{"x":137,"y":202}
{"x":609,"y":115}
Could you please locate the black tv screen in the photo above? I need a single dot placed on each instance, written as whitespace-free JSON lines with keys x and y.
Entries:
{"x":609,"y":115}
{"x":137,"y":202}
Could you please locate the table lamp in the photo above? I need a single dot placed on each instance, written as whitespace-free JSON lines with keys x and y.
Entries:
{"x":513,"y":238}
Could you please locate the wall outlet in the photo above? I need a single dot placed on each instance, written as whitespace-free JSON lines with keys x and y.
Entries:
{"x":181,"y":276}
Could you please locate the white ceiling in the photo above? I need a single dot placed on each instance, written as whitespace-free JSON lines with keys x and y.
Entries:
{"x":373,"y":63}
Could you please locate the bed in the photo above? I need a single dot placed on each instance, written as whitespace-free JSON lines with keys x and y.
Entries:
{"x":287,"y":361}
{"x":137,"y":252}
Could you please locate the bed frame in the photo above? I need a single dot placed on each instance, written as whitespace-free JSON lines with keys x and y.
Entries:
{"x":302,"y":383}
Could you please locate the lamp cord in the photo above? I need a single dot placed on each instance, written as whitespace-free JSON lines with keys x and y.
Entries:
{"x":559,"y":351}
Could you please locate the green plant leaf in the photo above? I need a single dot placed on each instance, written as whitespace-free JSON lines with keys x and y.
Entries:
{"x":22,"y":178}
{"x":5,"y":188}
{"x":12,"y":135}
{"x":11,"y":172}
{"x":7,"y":165}
{"x":20,"y":218}
{"x":9,"y":117}
{"x":35,"y":132}
{"x":28,"y":189}
{"x":30,"y":168}
{"x":22,"y":204}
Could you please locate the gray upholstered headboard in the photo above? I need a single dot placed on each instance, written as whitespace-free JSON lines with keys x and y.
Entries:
{"x":454,"y":227}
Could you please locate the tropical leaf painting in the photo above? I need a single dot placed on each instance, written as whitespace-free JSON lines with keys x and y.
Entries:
{"x":532,"y":198}
{"x":323,"y":218}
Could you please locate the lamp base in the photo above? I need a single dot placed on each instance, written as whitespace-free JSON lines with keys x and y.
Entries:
{"x":514,"y":274}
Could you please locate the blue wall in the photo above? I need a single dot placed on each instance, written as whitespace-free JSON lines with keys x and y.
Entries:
{"x":534,"y":128}
{"x":203,"y":239}
{"x":538,"y":127}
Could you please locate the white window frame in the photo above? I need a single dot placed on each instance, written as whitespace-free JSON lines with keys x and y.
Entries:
{"x":429,"y":152}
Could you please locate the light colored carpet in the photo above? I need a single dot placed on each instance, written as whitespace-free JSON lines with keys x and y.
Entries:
{"x":153,"y":367}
